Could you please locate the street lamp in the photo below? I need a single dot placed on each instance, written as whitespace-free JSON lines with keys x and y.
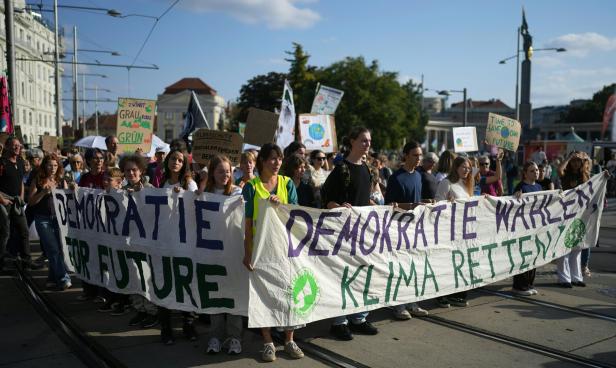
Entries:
{"x":465,"y":108}
{"x":517,"y":70}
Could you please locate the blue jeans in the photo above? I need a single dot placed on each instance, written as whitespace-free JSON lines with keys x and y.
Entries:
{"x":356,"y":319}
{"x":49,"y":233}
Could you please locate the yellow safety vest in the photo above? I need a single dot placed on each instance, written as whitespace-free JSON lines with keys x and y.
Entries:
{"x":262,"y":193}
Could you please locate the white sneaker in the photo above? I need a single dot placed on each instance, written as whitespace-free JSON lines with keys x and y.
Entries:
{"x":401,"y":314}
{"x":269,"y":352}
{"x":213,"y":346}
{"x":293,"y":350}
{"x":66,"y":285}
{"x":235,"y":346}
{"x":534,"y":291}
{"x":418,"y":311}
{"x":522,"y":292}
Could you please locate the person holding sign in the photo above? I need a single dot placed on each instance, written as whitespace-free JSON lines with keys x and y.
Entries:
{"x":349,"y":185}
{"x":523,"y":283}
{"x":219,"y":182}
{"x":459,"y":184}
{"x":277,"y":189}
{"x":50,"y":176}
{"x":490,"y":181}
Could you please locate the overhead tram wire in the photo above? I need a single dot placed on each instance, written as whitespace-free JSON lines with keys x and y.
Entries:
{"x":152,"y":30}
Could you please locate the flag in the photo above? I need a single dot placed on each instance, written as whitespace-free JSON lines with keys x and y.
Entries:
{"x":286,"y":122}
{"x":195,"y":118}
{"x":524,"y":28}
{"x":608,"y":116}
{"x":5,"y":108}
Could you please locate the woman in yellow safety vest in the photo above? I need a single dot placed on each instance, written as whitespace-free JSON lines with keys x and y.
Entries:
{"x":278,"y":189}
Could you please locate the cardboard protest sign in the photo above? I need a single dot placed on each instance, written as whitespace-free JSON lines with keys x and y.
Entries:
{"x":18,"y":134}
{"x":503,"y":132}
{"x":261,"y":127}
{"x":241,"y":128}
{"x":465,"y":139}
{"x":135,"y":124}
{"x":179,"y":250}
{"x":329,"y":263}
{"x":3,"y":137}
{"x":318,"y":132}
{"x":326,"y":101}
{"x":49,"y":144}
{"x":209,"y":143}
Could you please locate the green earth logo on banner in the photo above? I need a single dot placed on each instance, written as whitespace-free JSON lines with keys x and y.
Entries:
{"x":575,"y":233}
{"x":304,"y":293}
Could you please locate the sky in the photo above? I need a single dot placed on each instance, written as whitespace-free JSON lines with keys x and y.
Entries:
{"x":453,"y":44}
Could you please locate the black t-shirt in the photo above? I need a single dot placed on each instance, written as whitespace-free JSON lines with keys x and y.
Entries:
{"x":352,"y":187}
{"x":428,"y":184}
{"x":11,"y":176}
{"x":545,"y":183}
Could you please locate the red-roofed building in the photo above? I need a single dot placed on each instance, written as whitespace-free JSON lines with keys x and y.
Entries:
{"x":173,"y":103}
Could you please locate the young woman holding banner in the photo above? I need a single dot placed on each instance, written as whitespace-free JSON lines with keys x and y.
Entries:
{"x":220,"y":182}
{"x":459,"y":184}
{"x":277,"y":189}
{"x":49,"y":176}
{"x":523,"y":283}
{"x":176,"y":175}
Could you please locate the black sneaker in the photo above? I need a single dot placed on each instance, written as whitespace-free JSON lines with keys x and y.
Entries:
{"x":166,"y":335}
{"x":119,"y":309}
{"x":139,"y":318}
{"x":443,"y":302}
{"x":579,"y":283}
{"x":458,"y":302}
{"x":149,"y":321}
{"x":566,"y":285}
{"x":106,"y":308}
{"x":365,"y":328}
{"x":189,"y":331}
{"x":341,"y":332}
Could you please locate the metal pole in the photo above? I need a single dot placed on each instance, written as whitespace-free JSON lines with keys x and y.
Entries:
{"x":517,"y":78}
{"x":75,"y":97}
{"x":10,"y":58}
{"x":465,"y":110}
{"x":83,"y":102}
{"x":57,"y":69}
{"x":96,"y":108}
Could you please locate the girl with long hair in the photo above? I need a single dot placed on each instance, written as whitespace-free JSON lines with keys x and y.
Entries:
{"x":445,"y":162}
{"x":223,"y":324}
{"x":277,"y":189}
{"x":459,"y":184}
{"x":49,"y":176}
{"x":294,"y":167}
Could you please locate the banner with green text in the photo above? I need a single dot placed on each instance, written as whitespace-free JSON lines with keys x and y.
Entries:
{"x":179,"y":250}
{"x":312,"y":264}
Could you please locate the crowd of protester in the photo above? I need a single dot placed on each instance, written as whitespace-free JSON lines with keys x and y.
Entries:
{"x":353,"y":177}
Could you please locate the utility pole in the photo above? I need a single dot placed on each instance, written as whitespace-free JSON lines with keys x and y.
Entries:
{"x":10,"y":57}
{"x":57,"y":69}
{"x":96,"y":108}
{"x":465,"y":110}
{"x":75,"y":97}
{"x":83,"y":102}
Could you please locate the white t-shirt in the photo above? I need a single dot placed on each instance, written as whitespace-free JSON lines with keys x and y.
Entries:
{"x":192,"y":186}
{"x":445,"y":187}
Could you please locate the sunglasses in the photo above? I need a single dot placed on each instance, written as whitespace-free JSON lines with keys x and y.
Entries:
{"x":320,"y":158}
{"x":485,"y":164}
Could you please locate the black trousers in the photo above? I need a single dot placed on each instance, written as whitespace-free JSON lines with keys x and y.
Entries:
{"x":524,"y":281}
{"x":19,"y":242}
{"x":164,"y":316}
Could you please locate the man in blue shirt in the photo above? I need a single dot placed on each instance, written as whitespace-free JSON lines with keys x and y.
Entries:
{"x":404,"y":189}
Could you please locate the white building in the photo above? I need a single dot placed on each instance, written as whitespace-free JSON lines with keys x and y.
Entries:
{"x":35,"y":110}
{"x":173,"y":103}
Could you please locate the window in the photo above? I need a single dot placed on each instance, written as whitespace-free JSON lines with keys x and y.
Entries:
{"x":169,"y":134}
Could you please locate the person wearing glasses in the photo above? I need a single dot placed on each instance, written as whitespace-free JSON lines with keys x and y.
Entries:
{"x":490,"y":181}
{"x":318,"y":172}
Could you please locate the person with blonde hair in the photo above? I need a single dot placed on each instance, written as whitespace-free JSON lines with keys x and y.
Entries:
{"x":247,"y":166}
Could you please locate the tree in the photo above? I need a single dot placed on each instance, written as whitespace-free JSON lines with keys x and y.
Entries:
{"x":302,"y":79}
{"x":591,"y":111}
{"x":263,"y":92}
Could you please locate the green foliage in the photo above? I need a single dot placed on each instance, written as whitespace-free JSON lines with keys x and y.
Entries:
{"x":372,"y":98}
{"x":592,"y":111}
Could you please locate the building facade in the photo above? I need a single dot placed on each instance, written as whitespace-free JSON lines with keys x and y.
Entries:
{"x":35,"y":109}
{"x":173,"y":103}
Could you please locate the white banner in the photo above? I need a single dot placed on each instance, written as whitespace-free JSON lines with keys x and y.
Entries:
{"x":314,"y":264}
{"x":286,"y":122}
{"x":178,"y":250}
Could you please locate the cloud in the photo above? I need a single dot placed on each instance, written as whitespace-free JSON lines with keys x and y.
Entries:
{"x":581,"y":44}
{"x":276,"y":14}
{"x":545,"y":61}
{"x":561,"y":86}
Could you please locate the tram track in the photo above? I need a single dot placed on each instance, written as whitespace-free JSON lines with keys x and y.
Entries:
{"x":85,"y":348}
{"x":565,"y":308}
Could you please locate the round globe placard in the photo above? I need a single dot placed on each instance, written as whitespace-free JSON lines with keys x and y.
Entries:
{"x":504,"y":132}
{"x":316,"y":131}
